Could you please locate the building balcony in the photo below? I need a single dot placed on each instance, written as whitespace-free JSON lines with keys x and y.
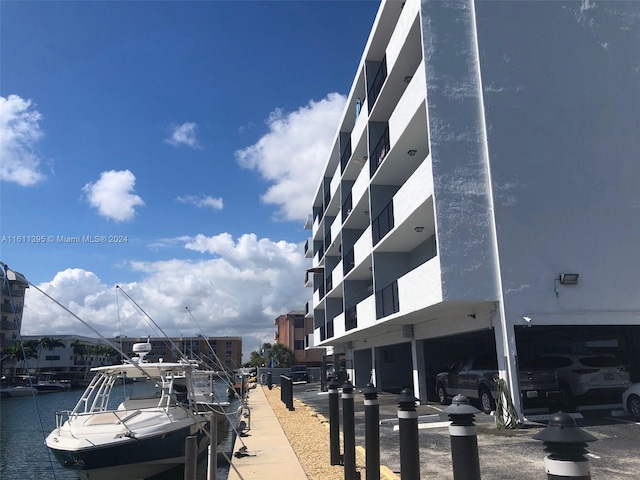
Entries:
{"x":308,"y":224}
{"x":308,"y":250}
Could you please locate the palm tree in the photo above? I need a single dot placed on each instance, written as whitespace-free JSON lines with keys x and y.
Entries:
{"x":15,"y":353}
{"x":51,"y":344}
{"x":282,"y":355}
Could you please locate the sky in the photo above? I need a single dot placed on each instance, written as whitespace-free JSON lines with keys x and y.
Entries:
{"x":171,"y":149}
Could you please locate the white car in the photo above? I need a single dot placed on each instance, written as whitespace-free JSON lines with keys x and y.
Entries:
{"x":631,"y":400}
{"x":581,"y":374}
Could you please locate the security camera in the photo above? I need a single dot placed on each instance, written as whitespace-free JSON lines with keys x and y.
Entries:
{"x":527,"y":320}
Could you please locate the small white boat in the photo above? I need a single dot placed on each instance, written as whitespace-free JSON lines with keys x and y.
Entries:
{"x":17,"y":391}
{"x":144,"y":436}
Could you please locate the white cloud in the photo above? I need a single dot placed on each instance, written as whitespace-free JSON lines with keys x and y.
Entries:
{"x":202,"y":201}
{"x":238,"y":290}
{"x":292,"y":155}
{"x":184,"y":134}
{"x":19,"y":133}
{"x":112,"y":195}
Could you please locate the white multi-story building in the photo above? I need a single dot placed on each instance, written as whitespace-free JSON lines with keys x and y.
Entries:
{"x":481,"y":192}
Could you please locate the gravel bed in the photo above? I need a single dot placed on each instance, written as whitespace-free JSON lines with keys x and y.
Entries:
{"x":308,"y":433}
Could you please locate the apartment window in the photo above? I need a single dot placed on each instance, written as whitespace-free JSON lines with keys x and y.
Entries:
{"x":387,"y":301}
{"x":299,"y":322}
{"x":383,"y":223}
{"x":298,"y":345}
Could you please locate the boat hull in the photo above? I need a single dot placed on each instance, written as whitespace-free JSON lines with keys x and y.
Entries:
{"x":131,"y":460}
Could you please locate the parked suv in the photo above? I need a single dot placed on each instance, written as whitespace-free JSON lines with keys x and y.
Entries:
{"x":299,"y":373}
{"x":587,"y":374}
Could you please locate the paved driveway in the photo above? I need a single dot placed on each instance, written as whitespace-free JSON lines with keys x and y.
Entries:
{"x":504,"y":454}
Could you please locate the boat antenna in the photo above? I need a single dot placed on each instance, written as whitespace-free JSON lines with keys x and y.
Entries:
{"x":173,"y":345}
{"x":106,"y":340}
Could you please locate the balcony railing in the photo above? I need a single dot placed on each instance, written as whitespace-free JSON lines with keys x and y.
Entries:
{"x":344,"y":157}
{"x":387,"y":301}
{"x":329,"y":283}
{"x":351,"y":318}
{"x":380,"y":152}
{"x":348,"y":262}
{"x":376,"y":84}
{"x":346,"y":207}
{"x":330,"y":328}
{"x":382,"y":224}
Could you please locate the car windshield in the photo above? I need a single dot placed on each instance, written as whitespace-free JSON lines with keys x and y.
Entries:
{"x":298,"y":368}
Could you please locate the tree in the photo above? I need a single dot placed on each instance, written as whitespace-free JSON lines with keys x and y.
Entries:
{"x":15,"y":353}
{"x":282,"y":355}
{"x":51,"y":344}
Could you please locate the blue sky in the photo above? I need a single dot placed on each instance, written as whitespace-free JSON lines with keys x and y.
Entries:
{"x":192,"y":133}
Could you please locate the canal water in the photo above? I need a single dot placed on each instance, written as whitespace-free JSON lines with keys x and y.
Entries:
{"x":26,"y":421}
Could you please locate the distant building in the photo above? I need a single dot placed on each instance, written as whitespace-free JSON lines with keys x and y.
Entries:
{"x":78,"y":354}
{"x":220,"y":353}
{"x":13,"y":290}
{"x":292,"y":331}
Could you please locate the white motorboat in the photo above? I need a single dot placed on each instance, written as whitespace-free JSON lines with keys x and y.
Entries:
{"x":144,"y":436}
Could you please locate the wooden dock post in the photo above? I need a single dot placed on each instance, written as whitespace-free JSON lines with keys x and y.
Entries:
{"x":190,"y":457}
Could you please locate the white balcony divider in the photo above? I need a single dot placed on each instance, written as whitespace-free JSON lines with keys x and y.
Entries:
{"x":311,"y":340}
{"x":416,"y":190}
{"x":336,"y":226}
{"x":409,"y":103}
{"x":400,"y":33}
{"x":421,"y":287}
{"x":361,"y":124}
{"x":335,"y":181}
{"x":337,"y":275}
{"x":316,"y":297}
{"x":361,"y":185}
{"x":338,"y":326}
{"x":363,"y":247}
{"x":366,"y":312}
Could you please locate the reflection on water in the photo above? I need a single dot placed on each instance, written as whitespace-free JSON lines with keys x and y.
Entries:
{"x":23,"y":454}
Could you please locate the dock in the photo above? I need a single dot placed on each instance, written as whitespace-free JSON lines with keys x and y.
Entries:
{"x":265,"y":448}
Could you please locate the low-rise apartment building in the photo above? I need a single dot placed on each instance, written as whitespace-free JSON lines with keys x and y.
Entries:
{"x":480,"y":195}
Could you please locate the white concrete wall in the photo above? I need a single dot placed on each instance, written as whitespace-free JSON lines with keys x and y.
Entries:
{"x":561,"y":85}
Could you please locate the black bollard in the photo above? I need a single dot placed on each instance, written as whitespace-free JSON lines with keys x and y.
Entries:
{"x":464,"y":439}
{"x":566,"y":445}
{"x":269,"y":380}
{"x":334,"y":422}
{"x":349,"y":431}
{"x":408,"y":432}
{"x":372,"y":432}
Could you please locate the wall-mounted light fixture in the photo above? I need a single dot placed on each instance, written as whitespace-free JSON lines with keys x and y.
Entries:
{"x":565,"y":279}
{"x":366,"y":212}
{"x":419,"y":229}
{"x":408,"y":78}
{"x":569,"y":278}
{"x":527,"y":320}
{"x":412,"y":153}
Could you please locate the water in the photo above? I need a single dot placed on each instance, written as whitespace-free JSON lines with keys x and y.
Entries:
{"x":24,"y":455}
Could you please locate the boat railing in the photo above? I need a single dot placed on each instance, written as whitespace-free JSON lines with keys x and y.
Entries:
{"x":61,"y":417}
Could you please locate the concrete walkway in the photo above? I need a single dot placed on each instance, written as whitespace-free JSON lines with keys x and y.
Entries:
{"x":269,"y":453}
